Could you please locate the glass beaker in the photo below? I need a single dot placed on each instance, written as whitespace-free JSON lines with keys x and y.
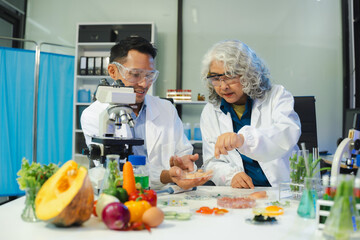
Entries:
{"x":297,"y":169}
{"x":28,"y":214}
{"x":112,"y":173}
{"x":307,"y":205}
{"x":343,"y":221}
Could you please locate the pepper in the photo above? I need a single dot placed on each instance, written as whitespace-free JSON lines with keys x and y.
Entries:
{"x":94,"y":208}
{"x":122,"y":194}
{"x":137,"y":209}
{"x":137,"y":226}
{"x":118,"y":192}
{"x":147,"y":195}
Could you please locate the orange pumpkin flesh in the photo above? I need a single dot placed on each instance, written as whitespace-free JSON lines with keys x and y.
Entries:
{"x":67,"y":197}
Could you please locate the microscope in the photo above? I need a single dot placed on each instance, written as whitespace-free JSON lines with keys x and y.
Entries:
{"x":348,"y":149}
{"x":117,"y":115}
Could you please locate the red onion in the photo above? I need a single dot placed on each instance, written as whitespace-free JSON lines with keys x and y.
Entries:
{"x":116,"y":216}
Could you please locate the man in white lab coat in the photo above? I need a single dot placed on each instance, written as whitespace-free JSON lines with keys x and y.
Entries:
{"x":249,"y":126}
{"x":167,"y":149}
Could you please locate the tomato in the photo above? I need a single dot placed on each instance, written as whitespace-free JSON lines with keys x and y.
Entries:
{"x":220,"y":211}
{"x":147,"y":195}
{"x":205,"y":210}
{"x":215,"y":210}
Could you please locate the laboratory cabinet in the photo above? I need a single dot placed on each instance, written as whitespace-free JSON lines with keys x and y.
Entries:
{"x":93,"y":44}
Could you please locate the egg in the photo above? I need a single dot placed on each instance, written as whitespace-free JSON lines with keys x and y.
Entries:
{"x":274,"y":210}
{"x":153,"y":217}
{"x":270,"y":211}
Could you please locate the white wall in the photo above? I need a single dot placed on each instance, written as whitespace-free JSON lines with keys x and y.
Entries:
{"x":55,"y":21}
{"x":299,"y":39}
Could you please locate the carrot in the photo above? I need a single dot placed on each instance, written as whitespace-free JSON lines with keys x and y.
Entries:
{"x":128,"y":178}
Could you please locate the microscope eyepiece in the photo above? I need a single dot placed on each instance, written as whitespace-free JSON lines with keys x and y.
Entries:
{"x":119,"y":83}
{"x":130,"y":120}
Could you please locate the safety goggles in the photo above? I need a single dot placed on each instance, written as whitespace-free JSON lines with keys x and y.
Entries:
{"x":215,"y":79}
{"x":134,"y":75}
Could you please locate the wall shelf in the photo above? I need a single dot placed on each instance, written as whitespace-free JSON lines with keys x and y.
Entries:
{"x":190,"y":102}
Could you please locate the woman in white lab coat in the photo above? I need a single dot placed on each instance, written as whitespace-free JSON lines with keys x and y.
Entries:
{"x":249,"y":127}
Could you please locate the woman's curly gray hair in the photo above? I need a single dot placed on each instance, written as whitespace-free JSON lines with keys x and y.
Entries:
{"x":238,"y":59}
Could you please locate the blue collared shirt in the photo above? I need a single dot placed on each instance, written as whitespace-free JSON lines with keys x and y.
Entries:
{"x":251,"y":167}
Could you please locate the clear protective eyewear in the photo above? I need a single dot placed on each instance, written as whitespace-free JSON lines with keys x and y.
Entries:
{"x":135,"y":75}
{"x":215,"y":79}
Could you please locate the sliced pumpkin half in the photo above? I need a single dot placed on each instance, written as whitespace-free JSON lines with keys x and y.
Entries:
{"x":66,"y":198}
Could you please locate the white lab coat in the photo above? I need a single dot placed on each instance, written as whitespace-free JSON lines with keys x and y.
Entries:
{"x":163,"y":130}
{"x":269,"y":139}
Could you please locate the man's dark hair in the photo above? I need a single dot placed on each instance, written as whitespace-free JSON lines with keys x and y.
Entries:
{"x":120,"y":51}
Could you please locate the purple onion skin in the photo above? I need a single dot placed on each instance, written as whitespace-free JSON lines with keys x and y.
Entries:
{"x":116,"y":216}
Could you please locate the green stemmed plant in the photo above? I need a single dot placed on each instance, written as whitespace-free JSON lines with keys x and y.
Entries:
{"x":299,"y":171}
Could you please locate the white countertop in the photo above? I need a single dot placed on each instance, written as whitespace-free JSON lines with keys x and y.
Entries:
{"x":229,"y":226}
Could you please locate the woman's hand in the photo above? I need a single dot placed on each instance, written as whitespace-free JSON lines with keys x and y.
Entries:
{"x":176,"y":177}
{"x":242,"y":180}
{"x":185,"y":162}
{"x":227,"y":142}
{"x":178,"y":167}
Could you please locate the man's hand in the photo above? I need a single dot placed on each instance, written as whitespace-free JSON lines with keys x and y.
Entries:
{"x":242,"y":180}
{"x":227,"y":142}
{"x":185,"y":162}
{"x":175,"y":173}
{"x":180,"y":165}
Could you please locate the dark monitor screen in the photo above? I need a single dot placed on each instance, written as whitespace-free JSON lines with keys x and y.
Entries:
{"x":349,"y":120}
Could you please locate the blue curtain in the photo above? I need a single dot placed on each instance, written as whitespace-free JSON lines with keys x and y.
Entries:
{"x":55,"y":98}
{"x":55,"y":109}
{"x":16,"y":114}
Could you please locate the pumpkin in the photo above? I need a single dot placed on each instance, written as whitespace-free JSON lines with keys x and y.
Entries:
{"x":67,"y":197}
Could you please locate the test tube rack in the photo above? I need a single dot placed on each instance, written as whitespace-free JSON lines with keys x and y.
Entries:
{"x":322,"y":214}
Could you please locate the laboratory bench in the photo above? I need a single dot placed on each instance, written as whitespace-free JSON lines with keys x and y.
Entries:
{"x":232,"y":225}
